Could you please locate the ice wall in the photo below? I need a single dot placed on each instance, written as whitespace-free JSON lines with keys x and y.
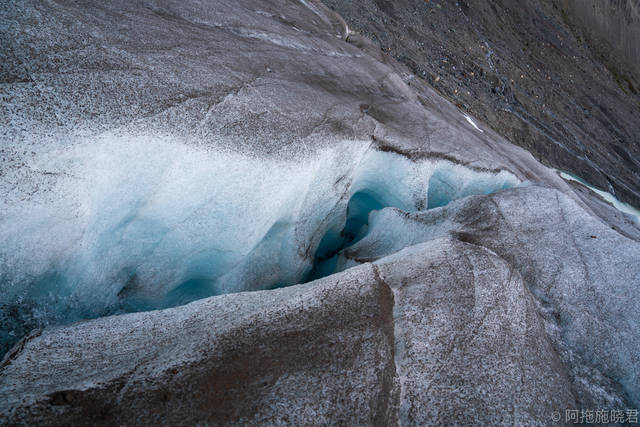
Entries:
{"x":144,"y":223}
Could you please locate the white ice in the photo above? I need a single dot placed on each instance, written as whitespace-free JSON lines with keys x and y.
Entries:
{"x":470,"y":120}
{"x":143,"y":223}
{"x":621,"y":206}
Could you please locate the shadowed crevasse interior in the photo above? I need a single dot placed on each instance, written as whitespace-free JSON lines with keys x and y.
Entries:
{"x":141,"y":225}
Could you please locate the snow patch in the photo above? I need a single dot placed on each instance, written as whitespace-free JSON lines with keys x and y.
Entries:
{"x":470,"y":120}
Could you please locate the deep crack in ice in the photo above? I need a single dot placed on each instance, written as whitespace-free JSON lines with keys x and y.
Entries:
{"x":143,"y":224}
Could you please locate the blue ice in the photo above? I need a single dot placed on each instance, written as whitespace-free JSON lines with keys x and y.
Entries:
{"x":141,"y":224}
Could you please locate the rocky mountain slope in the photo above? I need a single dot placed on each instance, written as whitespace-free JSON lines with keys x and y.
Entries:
{"x":559,"y":78}
{"x":243,"y":212}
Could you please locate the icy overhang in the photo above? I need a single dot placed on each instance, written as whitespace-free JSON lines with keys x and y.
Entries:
{"x":143,"y":223}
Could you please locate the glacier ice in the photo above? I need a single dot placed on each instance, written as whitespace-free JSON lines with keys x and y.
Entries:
{"x":142,"y":223}
{"x":447,"y":184}
{"x":621,"y":206}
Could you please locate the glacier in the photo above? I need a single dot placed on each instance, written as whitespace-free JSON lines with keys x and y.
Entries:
{"x":142,"y":224}
{"x":249,"y":214}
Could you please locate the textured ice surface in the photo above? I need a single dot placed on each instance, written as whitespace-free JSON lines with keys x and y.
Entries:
{"x":572,"y":263}
{"x":142,"y":223}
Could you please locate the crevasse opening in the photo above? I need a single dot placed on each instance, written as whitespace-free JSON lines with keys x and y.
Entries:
{"x":334,"y":242}
{"x":140,"y":224}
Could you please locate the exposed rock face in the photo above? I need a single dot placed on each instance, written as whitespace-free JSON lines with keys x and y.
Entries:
{"x":449,"y":305}
{"x":613,"y":29}
{"x":559,"y":78}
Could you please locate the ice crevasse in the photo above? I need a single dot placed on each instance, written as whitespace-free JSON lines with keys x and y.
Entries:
{"x":143,"y":223}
